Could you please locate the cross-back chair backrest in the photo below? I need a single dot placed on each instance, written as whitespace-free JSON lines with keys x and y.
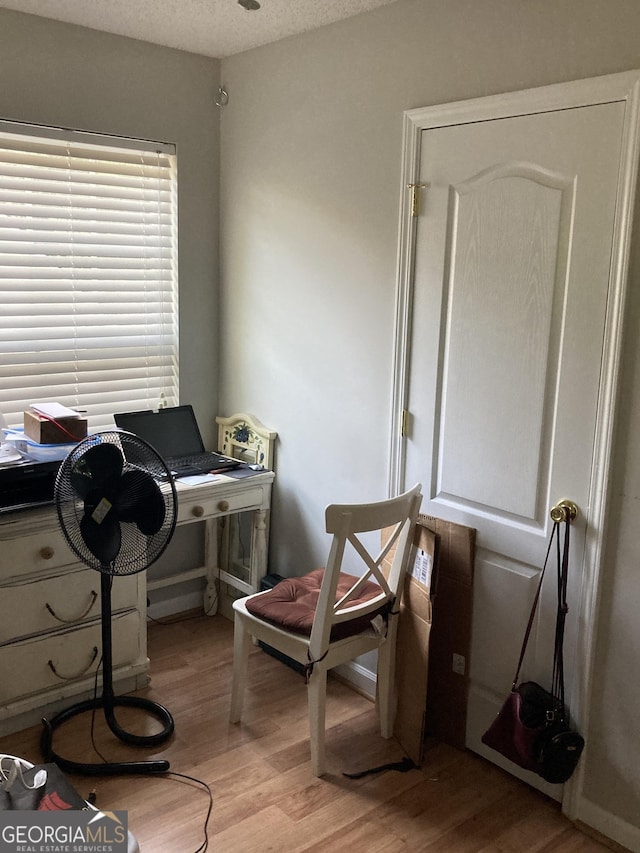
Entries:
{"x":349,"y":524}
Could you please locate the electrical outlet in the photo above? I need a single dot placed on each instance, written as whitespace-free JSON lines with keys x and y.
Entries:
{"x":459,"y":664}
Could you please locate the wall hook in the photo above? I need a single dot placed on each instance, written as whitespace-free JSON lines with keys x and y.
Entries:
{"x":222,"y":98}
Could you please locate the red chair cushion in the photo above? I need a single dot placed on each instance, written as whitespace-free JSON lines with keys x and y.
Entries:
{"x":291,"y":604}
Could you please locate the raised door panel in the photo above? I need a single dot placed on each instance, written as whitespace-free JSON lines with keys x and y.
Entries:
{"x":506,"y":260}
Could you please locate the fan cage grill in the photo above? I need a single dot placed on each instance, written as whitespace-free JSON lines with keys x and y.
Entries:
{"x":137,"y":550}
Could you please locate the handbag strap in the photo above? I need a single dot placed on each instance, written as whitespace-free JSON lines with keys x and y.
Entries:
{"x":534,"y":606}
{"x":558,"y":662}
{"x":563,"y":608}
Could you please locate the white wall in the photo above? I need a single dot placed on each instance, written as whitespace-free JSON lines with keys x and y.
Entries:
{"x":310,"y":169}
{"x":61,"y":75}
{"x":311,"y":146}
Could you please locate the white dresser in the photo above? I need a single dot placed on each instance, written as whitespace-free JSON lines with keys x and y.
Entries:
{"x":50,"y":622}
{"x":50,"y":637}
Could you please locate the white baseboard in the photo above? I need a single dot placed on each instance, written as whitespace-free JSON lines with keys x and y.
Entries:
{"x":358,"y":677}
{"x":609,"y":825}
{"x":588,"y":813}
{"x":178,"y":604}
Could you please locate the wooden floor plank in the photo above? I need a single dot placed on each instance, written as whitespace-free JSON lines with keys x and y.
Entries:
{"x":264,"y":795}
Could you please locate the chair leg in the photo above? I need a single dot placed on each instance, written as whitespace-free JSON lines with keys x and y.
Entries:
{"x":241,"y":645}
{"x":385,"y":689}
{"x":317,"y":697}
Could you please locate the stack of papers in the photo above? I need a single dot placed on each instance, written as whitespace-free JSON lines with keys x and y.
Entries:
{"x":9,"y":456}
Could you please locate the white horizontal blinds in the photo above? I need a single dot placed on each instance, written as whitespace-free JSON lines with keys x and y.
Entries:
{"x":88,"y":276}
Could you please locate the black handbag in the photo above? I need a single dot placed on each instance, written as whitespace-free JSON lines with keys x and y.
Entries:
{"x":532,"y":728}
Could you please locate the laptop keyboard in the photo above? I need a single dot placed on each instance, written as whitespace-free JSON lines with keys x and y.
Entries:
{"x":200,"y":463}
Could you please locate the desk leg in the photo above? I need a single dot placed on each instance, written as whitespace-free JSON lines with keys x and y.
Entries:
{"x":259,"y":547}
{"x":211,"y":565}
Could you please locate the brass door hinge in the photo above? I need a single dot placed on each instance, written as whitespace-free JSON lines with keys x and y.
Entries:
{"x":415,"y":197}
{"x":404,"y":423}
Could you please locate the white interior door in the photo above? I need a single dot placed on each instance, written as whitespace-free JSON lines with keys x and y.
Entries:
{"x":509,"y":333}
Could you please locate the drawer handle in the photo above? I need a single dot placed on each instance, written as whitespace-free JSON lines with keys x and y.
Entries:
{"x":223,"y":506}
{"x":198,"y":511}
{"x":53,"y":669}
{"x":93,"y":599}
{"x":47,"y":552}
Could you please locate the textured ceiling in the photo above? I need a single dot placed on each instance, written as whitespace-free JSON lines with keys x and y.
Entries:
{"x":210,"y":27}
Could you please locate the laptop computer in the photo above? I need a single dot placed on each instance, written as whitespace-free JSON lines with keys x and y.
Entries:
{"x":174,"y":433}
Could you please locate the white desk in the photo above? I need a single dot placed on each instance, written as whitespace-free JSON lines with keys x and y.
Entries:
{"x":50,"y":605}
{"x":210,"y":502}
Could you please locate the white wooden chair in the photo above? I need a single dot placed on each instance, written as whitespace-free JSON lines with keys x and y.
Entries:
{"x":329,"y":616}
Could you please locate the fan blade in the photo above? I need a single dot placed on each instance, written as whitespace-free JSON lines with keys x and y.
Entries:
{"x":102,"y":538}
{"x":140,"y":501}
{"x":97,"y":466}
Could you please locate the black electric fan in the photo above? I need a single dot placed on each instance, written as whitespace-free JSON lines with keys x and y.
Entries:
{"x":116,"y":505}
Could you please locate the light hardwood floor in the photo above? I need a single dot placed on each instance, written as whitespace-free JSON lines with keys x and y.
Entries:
{"x":264,"y":796}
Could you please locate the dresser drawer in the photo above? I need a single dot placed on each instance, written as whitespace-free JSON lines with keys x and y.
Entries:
{"x":65,"y":600}
{"x":41,"y":663}
{"x":37,"y":553}
{"x":209,"y":507}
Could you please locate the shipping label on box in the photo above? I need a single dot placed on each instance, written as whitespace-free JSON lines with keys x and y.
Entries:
{"x":423,"y":565}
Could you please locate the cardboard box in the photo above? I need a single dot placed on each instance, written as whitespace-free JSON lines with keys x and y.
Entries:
{"x":434,"y":638}
{"x":412,"y":648}
{"x":63,"y":431}
{"x":450,"y":648}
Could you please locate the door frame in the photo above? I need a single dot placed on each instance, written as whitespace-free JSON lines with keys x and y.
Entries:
{"x":623,"y":87}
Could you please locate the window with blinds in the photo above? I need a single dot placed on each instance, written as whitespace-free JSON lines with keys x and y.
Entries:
{"x":88,"y":273}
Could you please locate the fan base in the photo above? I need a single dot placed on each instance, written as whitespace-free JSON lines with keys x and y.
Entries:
{"x":117,"y":768}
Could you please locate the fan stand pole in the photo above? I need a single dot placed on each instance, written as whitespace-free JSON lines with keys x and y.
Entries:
{"x":108,"y":702}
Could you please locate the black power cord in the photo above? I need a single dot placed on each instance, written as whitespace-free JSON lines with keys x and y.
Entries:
{"x":179,"y":776}
{"x":185,"y":777}
{"x":402,"y":766}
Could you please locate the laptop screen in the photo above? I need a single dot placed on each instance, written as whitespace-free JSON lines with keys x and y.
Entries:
{"x":172,"y":431}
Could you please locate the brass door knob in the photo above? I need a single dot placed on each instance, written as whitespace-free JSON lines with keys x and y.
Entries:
{"x":223,"y":506}
{"x":564,"y":510}
{"x":198,"y":511}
